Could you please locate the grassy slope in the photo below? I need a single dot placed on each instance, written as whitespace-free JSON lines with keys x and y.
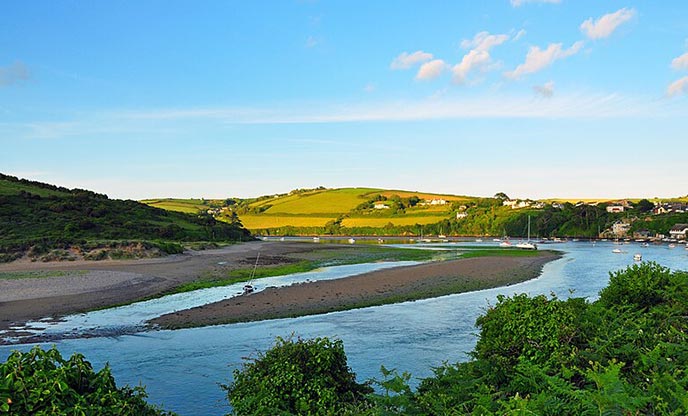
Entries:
{"x":32,"y":212}
{"x":316,"y":208}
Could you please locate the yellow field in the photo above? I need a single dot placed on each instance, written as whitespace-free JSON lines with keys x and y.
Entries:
{"x":180,"y":205}
{"x":334,"y":201}
{"x":381,"y":222}
{"x":255,"y":222}
{"x":426,"y":196}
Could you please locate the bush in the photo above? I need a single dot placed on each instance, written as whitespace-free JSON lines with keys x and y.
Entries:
{"x":640,"y":286}
{"x":43,"y":383}
{"x":304,"y":377}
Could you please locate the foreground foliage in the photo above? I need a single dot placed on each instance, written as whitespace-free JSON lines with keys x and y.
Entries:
{"x":41,"y":382}
{"x":624,"y":354}
{"x":309,"y":377}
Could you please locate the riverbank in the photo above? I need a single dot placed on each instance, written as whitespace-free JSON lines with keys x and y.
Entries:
{"x":36,"y":290}
{"x":376,"y":288}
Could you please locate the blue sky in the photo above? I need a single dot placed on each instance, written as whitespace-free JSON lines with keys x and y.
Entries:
{"x":583,"y":98}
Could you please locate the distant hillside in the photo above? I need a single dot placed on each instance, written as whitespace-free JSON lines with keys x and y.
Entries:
{"x":37,"y":215}
{"x":317,"y":209}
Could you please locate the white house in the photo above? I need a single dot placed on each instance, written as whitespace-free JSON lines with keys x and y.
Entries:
{"x":620,"y":229}
{"x":679,"y":231}
{"x":380,"y":205}
{"x":461,"y":215}
{"x":615,"y":208}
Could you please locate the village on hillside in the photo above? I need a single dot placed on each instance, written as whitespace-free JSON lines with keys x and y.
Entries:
{"x":621,"y":228}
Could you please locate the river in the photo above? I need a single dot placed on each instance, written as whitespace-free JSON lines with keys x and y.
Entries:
{"x":182,"y":369}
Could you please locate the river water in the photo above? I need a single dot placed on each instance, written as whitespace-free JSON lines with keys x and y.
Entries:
{"x":182,"y":369}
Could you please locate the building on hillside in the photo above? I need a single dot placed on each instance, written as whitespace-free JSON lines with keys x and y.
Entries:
{"x":379,"y":205}
{"x":620,"y":229}
{"x":679,"y":231}
{"x":438,"y":202}
{"x":516,"y":203}
{"x":461,"y":215}
{"x":615,"y":208}
{"x":664,"y":208}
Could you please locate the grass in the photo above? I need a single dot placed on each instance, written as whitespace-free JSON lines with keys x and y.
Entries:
{"x":335,"y":201}
{"x":378,"y":222}
{"x":189,"y":206}
{"x":258,"y":222}
{"x":310,"y":261}
{"x":13,"y":188}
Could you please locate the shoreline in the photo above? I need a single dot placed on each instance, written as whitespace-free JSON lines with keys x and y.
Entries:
{"x":381,"y":287}
{"x":35,"y":290}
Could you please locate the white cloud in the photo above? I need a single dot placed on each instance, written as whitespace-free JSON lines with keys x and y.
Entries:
{"x":678,"y":87}
{"x":312,"y":42}
{"x":431,"y":70}
{"x":478,"y":58}
{"x":518,"y":3}
{"x":406,"y":60}
{"x":13,"y":73}
{"x":681,"y":62}
{"x":538,"y":59}
{"x":369,"y":87}
{"x":546,"y":90}
{"x":484,"y":41}
{"x":607,"y":24}
{"x":472,"y":60}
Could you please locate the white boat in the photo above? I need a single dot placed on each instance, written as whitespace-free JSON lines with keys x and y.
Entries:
{"x":527,"y":245}
{"x":672,"y":245}
{"x":248,"y":287}
{"x":505,"y":243}
{"x":478,"y":240}
{"x":352,"y":241}
{"x":617,"y":251}
{"x":441,"y":236}
{"x":637,"y":257}
{"x":316,"y":239}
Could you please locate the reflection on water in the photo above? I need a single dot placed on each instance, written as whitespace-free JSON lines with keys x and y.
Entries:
{"x":181,"y":369}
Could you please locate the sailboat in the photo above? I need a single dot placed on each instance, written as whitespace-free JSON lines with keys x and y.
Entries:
{"x":248,"y":287}
{"x":527,"y":245}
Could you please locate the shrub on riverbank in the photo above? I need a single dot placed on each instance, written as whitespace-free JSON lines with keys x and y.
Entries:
{"x":41,"y":382}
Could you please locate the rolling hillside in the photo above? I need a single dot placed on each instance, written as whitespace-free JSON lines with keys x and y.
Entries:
{"x":41,"y":217}
{"x":316,"y":208}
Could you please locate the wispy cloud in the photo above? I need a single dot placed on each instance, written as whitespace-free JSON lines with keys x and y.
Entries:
{"x":521,"y":33}
{"x":604,"y":26}
{"x":546,"y":90}
{"x":519,"y":3}
{"x":678,"y":87}
{"x":13,"y":73}
{"x":182,"y":121}
{"x":478,"y":58}
{"x":431,"y":70}
{"x":538,"y":59}
{"x":680,"y":62}
{"x":406,"y":60}
{"x":484,"y":41}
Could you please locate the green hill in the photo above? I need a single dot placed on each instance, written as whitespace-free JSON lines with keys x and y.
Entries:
{"x":351,"y":208}
{"x":40,"y":217}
